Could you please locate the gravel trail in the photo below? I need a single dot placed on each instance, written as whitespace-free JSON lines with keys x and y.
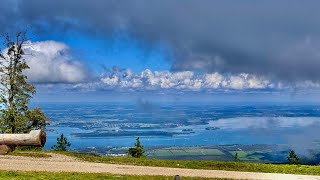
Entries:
{"x":62,"y":163}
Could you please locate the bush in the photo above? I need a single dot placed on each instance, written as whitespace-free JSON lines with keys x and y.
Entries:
{"x":137,"y":151}
{"x":62,"y":144}
{"x":293,"y":158}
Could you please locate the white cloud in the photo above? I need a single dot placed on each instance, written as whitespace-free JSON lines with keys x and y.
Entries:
{"x":247,"y":81}
{"x":147,"y":80}
{"x":51,"y":62}
{"x":213,"y":80}
{"x":111,"y":81}
{"x":183,"y":80}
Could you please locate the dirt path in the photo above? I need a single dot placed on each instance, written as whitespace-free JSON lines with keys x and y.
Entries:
{"x":62,"y":163}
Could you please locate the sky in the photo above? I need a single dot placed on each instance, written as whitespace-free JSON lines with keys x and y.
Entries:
{"x":207,"y":51}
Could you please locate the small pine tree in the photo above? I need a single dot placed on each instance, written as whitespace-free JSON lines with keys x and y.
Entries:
{"x":62,"y":144}
{"x":137,"y":151}
{"x":236,"y":157}
{"x":293,"y":158}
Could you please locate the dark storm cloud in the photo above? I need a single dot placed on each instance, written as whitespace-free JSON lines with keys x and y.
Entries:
{"x":275,"y":38}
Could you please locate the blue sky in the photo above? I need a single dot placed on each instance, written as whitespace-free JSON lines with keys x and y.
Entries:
{"x":170,"y":51}
{"x":117,"y":50}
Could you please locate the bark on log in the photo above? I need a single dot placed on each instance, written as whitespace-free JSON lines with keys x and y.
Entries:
{"x":34,"y":138}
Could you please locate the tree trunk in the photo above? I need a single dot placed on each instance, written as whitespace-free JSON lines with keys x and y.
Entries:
{"x":34,"y":138}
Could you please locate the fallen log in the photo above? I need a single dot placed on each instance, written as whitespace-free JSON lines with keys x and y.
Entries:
{"x":34,"y":138}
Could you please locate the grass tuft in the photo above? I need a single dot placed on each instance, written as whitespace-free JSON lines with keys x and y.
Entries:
{"x":35,"y":154}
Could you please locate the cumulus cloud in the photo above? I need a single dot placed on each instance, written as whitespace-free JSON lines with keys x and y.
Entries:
{"x":148,"y":80}
{"x":51,"y":62}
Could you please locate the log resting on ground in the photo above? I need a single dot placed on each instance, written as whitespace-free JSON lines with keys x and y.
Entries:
{"x":34,"y":138}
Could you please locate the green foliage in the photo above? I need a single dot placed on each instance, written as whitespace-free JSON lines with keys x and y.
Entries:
{"x":15,"y":92}
{"x":62,"y":144}
{"x":36,"y":119}
{"x":137,"y":151}
{"x":293,"y":158}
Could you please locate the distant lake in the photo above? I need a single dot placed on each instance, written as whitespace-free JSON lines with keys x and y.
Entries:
{"x":118,"y":124}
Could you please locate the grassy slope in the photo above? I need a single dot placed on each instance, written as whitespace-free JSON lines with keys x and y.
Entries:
{"x":73,"y":176}
{"x":216,"y":165}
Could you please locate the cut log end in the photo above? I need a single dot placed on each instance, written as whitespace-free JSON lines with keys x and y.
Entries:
{"x":43,"y":138}
{"x":5,"y":149}
{"x":40,"y":136}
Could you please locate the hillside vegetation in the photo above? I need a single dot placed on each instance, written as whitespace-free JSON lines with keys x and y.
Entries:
{"x":210,"y":165}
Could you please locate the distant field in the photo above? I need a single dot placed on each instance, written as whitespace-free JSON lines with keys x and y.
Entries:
{"x":246,"y":153}
{"x":249,"y":155}
{"x":185,"y":152}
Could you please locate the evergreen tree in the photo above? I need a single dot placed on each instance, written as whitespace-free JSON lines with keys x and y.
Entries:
{"x":137,"y":151}
{"x":15,"y":91}
{"x":293,"y":158}
{"x":236,"y":157}
{"x":62,"y":144}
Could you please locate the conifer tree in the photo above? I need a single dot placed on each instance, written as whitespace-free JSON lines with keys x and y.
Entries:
{"x":137,"y":151}
{"x":236,"y":157}
{"x":62,"y":144}
{"x":293,"y":158}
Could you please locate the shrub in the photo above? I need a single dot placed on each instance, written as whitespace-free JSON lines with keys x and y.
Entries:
{"x":137,"y":151}
{"x":62,"y":144}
